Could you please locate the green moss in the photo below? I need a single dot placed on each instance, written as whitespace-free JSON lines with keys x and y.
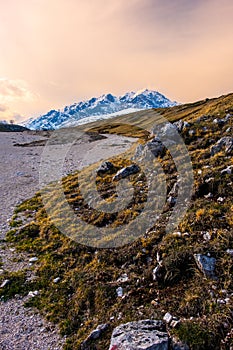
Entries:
{"x":197,"y":336}
{"x":17,"y":284}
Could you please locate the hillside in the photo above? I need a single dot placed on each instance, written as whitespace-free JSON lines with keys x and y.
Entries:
{"x":159,"y":272}
{"x":189,"y":112}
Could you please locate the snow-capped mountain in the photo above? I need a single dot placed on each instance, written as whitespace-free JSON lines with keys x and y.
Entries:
{"x":103,"y":107}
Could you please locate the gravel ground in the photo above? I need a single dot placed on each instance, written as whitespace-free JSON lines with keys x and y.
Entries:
{"x":23,"y":328}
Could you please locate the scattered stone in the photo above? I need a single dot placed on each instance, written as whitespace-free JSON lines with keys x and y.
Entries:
{"x":20,"y":173}
{"x":227,"y":170}
{"x":167,"y":318}
{"x":123,"y":278}
{"x":141,"y":335}
{"x":105,"y":167}
{"x":192,"y":132}
{"x":157,"y":273}
{"x":210,"y":179}
{"x":129,"y":170}
{"x":225,"y":143}
{"x":206,"y":264}
{"x":158,"y":258}
{"x":171,"y":200}
{"x":119,"y":315}
{"x":175,"y":189}
{"x":206,"y":236}
{"x":95,"y":334}
{"x":218,"y":121}
{"x":174,"y":323}
{"x":181,"y":125}
{"x":202,"y":118}
{"x":209,"y":195}
{"x":119,"y":292}
{"x":186,"y":234}
{"x":56,"y":280}
{"x":230,"y":251}
{"x":177,"y":345}
{"x":4,"y":283}
{"x":177,"y":234}
{"x":149,"y":259}
{"x":33,"y":294}
{"x":227,"y":117}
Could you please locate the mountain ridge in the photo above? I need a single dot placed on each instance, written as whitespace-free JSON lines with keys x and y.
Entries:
{"x":102,"y":107}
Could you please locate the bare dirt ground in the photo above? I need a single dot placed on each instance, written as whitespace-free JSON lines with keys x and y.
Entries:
{"x":20,"y":154}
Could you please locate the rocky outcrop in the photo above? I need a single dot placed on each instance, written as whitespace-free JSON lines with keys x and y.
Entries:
{"x":181,"y":125}
{"x":224,"y":144}
{"x":125,"y":172}
{"x":156,"y":147}
{"x":150,"y":150}
{"x":141,"y":335}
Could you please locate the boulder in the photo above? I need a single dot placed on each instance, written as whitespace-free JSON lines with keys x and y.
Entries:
{"x":151,"y":149}
{"x":166,"y":130}
{"x":225,"y":143}
{"x":156,"y":147}
{"x":141,"y":335}
{"x":129,"y":170}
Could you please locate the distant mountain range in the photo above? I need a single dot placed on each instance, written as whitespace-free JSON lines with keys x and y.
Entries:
{"x":5,"y":127}
{"x":103,"y":107}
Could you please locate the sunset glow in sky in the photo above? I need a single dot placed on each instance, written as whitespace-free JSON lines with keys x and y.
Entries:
{"x":57,"y":52}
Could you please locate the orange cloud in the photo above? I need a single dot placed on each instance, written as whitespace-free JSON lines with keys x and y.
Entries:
{"x":71,"y":49}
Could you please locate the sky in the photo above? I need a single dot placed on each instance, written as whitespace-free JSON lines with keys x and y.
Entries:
{"x":57,"y":52}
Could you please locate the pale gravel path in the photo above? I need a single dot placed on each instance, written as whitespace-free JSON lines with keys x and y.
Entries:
{"x":22,"y":328}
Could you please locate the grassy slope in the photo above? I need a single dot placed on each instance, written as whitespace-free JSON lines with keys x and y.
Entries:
{"x":86,"y":295}
{"x":146,"y":119}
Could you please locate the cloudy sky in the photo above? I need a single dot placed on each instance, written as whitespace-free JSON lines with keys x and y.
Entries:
{"x":57,"y":52}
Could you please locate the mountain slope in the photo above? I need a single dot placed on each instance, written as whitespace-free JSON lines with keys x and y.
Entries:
{"x":86,"y":294}
{"x":99,"y":108}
